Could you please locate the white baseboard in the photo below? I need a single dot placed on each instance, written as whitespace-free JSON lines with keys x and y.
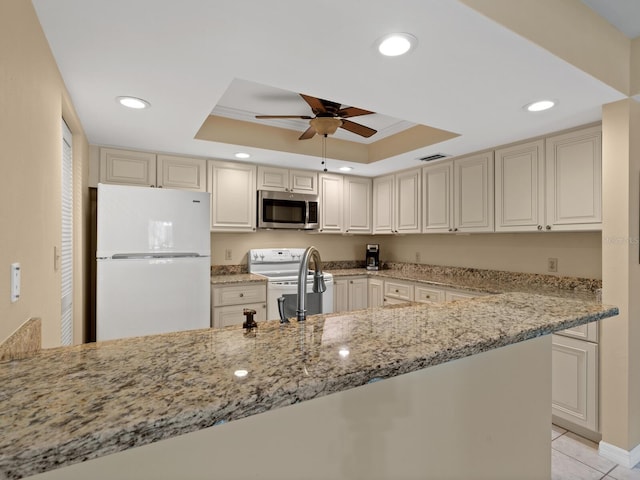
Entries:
{"x":619,"y":455}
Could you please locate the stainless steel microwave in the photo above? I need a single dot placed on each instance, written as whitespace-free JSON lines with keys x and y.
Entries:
{"x":287,"y":210}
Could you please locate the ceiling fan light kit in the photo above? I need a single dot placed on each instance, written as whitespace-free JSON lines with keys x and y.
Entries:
{"x":328,"y":117}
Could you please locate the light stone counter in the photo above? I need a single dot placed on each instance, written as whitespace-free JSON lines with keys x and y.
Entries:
{"x":237,"y":278}
{"x":72,"y":404}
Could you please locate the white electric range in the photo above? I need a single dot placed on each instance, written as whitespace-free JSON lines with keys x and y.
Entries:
{"x":281,"y":266}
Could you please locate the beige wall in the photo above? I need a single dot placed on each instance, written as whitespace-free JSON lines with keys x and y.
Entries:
{"x":33,"y":101}
{"x":578,"y":254}
{"x":619,"y":354}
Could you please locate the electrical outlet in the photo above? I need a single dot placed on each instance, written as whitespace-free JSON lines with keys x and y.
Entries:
{"x":552,"y":264}
{"x":417,"y":257}
{"x":227,"y":254}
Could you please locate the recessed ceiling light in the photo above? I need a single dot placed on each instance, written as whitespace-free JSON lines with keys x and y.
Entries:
{"x":396,"y":44}
{"x":133,"y":102}
{"x":540,"y":105}
{"x":345,"y":169}
{"x":242,"y":155}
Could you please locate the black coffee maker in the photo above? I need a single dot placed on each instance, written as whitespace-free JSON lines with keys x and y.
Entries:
{"x":373,"y":256}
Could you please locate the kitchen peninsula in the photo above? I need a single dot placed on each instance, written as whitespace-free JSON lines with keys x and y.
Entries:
{"x":460,"y":383}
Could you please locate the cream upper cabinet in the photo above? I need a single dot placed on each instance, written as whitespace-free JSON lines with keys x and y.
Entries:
{"x":397,"y":202}
{"x":574,"y":180}
{"x":437,"y":203}
{"x":473,"y":193}
{"x":357,"y":204}
{"x":182,"y":172}
{"x":233,"y":196}
{"x":383,"y":204}
{"x":520,"y":187}
{"x":125,"y":167}
{"x":331,"y":190}
{"x":408,"y":206}
{"x":286,"y":180}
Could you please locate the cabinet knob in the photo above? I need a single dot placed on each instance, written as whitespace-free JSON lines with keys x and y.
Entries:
{"x":455,"y":229}
{"x":548,"y":227}
{"x":241,"y":295}
{"x":539,"y":227}
{"x":351,"y":282}
{"x":428,"y":296}
{"x":451,"y":229}
{"x":396,"y":290}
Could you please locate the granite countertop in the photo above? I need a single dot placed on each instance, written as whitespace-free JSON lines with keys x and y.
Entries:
{"x":70,"y":404}
{"x":493,"y":283}
{"x":237,"y":278}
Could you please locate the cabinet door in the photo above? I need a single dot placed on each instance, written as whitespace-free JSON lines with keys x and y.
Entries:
{"x":429,"y":295}
{"x":437,"y":204}
{"x":232,"y":314}
{"x":383,"y":204}
{"x":330,"y":203}
{"x":273,"y":179}
{"x":182,"y":172}
{"x":233,"y":196}
{"x":358,"y":294}
{"x":519,"y":181}
{"x":340,"y":295}
{"x":357,"y":205}
{"x":375,"y":293}
{"x":473,"y":193}
{"x":303,"y":181}
{"x":127,"y":168}
{"x":408,"y":201}
{"x":574,"y":180}
{"x":575,"y":381}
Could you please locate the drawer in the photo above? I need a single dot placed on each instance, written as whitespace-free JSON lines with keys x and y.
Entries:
{"x":428,"y":295}
{"x":233,"y":314}
{"x":238,"y":294}
{"x":453,"y":295}
{"x":398,"y":290}
{"x":587,"y":332}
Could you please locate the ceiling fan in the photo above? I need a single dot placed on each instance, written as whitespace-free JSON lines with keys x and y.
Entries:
{"x":328,"y":118}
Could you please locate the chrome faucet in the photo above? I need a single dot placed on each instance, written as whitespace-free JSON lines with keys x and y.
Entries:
{"x":318,"y":280}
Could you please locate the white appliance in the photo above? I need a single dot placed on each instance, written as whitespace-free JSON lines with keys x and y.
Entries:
{"x":280,"y":266}
{"x":153,"y":261}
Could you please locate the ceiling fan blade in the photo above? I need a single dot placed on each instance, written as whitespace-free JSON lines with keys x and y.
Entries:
{"x":316,"y":104}
{"x":357,"y":128}
{"x":304,"y":117}
{"x":353,"y":112}
{"x":308,"y":133}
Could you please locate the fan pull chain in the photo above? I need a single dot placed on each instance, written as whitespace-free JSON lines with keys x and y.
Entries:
{"x":324,"y":151}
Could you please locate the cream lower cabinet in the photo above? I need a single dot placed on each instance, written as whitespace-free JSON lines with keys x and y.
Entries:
{"x":424,"y":294}
{"x":375,"y":292}
{"x":398,"y":291}
{"x":350,"y":294}
{"x":575,"y":381}
{"x":233,"y":196}
{"x":229,"y":301}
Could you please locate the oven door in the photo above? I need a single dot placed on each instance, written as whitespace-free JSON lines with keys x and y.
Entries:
{"x":316,"y":302}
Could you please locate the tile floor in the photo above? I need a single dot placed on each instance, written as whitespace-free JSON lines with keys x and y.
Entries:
{"x":576,"y":458}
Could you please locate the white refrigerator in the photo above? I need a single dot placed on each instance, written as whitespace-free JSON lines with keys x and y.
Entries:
{"x":153,"y":261}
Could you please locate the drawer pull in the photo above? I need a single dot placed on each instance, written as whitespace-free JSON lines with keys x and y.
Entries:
{"x":397,"y":291}
{"x":428,"y":296}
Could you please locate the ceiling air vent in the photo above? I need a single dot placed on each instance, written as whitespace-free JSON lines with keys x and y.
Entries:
{"x":435,"y":156}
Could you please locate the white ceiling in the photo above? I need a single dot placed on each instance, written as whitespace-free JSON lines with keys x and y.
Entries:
{"x":468,"y":74}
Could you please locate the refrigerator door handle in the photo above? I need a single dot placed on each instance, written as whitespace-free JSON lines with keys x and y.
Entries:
{"x":147,"y":256}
